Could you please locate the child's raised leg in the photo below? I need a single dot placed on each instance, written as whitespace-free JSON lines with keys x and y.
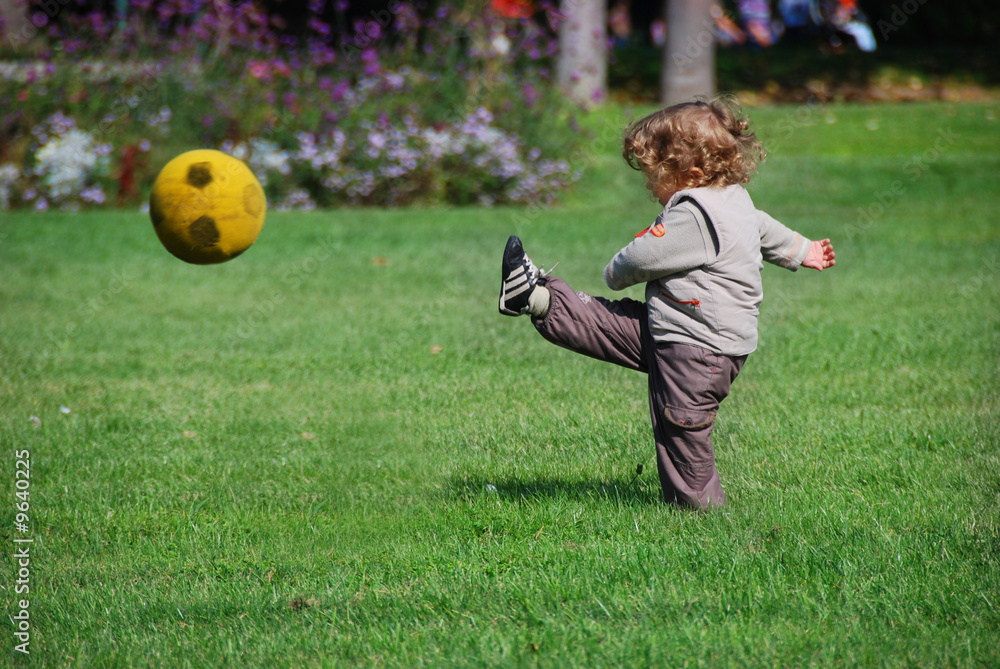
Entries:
{"x":615,"y":331}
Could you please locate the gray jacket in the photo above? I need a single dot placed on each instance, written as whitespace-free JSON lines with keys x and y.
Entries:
{"x":701,"y":262}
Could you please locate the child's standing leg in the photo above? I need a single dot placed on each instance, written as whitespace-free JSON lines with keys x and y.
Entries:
{"x":686,"y":385}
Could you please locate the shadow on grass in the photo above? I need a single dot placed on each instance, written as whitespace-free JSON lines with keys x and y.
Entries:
{"x":644,"y":491}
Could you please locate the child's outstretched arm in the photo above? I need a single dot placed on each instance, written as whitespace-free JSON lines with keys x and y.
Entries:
{"x":780,"y":245}
{"x":820,"y":255}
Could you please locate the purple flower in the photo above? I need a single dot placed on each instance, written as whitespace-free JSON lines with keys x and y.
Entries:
{"x":338,"y":92}
{"x":319,"y":26}
{"x":370,"y":58}
{"x":281,"y":67}
{"x":93,"y":194}
{"x":530,"y":94}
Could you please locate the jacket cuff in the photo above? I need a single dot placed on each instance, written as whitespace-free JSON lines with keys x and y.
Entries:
{"x":612,"y":282}
{"x":796,"y":257}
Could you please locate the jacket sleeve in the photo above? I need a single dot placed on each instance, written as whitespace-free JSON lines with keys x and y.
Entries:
{"x":780,"y":245}
{"x":678,"y":241}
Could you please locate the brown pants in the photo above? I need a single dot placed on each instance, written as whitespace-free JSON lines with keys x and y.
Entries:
{"x":686,"y":384}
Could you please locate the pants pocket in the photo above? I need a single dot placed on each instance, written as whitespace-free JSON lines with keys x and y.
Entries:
{"x":687,"y":418}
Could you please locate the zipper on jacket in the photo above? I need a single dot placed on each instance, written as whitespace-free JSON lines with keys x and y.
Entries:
{"x":693,"y":303}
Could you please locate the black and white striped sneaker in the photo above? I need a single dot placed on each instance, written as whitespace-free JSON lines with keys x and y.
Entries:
{"x":518,"y":276}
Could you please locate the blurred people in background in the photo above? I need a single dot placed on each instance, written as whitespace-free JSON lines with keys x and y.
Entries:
{"x":727,"y":32}
{"x":844,"y":16}
{"x":620,"y":22}
{"x":756,"y":16}
{"x":658,"y":32}
{"x":797,"y":17}
{"x":830,"y":20}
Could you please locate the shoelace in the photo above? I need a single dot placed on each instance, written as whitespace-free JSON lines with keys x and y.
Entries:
{"x":538,"y":272}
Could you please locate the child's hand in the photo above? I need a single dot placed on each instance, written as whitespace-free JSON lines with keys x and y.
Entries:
{"x":820,"y":256}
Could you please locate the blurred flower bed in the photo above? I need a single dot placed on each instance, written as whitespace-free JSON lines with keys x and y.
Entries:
{"x":404,"y":105}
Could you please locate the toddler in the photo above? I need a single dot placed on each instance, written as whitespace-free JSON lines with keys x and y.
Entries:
{"x":701,"y":261}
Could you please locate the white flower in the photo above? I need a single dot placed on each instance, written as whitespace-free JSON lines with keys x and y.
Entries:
{"x":65,"y":162}
{"x":267,"y":156}
{"x":9,"y":174}
{"x":394,"y":80}
{"x":501,"y":45}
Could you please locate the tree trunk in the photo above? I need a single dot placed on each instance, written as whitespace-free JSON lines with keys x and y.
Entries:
{"x":15,"y":30}
{"x":582,"y":70}
{"x":689,"y":54}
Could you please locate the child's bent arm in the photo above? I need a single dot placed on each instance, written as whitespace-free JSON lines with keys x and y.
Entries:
{"x":677,"y":242}
{"x":779,"y":245}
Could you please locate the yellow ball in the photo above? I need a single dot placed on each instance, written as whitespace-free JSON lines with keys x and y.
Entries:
{"x":207,"y":207}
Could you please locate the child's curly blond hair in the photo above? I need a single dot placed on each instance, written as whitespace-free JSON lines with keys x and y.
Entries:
{"x":693,"y":144}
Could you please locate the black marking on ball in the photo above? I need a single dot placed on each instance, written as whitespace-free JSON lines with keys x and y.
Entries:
{"x":203,"y":232}
{"x":200,"y":174}
{"x":155,"y":211}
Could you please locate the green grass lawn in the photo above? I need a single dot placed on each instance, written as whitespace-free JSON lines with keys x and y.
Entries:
{"x":334,"y":451}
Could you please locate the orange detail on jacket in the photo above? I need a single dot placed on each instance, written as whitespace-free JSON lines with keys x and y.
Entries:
{"x":657,"y":229}
{"x":693,"y":303}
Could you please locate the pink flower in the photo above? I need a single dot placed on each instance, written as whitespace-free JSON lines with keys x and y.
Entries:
{"x":259,"y":69}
